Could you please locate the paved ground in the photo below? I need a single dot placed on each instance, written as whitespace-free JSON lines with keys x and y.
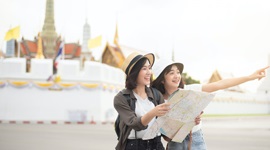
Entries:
{"x":245,"y":133}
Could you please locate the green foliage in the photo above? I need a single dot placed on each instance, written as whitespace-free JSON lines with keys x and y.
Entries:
{"x":188,"y":79}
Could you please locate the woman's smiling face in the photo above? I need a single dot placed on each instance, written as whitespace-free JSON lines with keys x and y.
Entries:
{"x":144,"y":77}
{"x":172,"y":78}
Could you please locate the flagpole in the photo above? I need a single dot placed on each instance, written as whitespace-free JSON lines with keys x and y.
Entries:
{"x":19,"y":49}
{"x":63,"y":51}
{"x":2,"y":51}
{"x":100,"y":47}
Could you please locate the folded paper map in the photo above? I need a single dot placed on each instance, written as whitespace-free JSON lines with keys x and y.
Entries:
{"x":186,"y":105}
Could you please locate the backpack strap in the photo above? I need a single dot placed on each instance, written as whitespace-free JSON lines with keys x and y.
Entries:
{"x":156,"y":95}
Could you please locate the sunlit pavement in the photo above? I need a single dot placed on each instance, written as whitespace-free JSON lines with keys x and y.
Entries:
{"x":234,"y":133}
{"x":237,"y":133}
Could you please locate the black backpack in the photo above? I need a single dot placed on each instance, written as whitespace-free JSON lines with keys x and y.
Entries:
{"x":132,"y":106}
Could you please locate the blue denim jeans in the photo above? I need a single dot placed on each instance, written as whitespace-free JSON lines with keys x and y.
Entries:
{"x":197,"y":142}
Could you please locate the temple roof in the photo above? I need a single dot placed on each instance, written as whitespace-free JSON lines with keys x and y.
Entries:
{"x":115,"y":54}
{"x":28,"y":48}
{"x":71,"y":50}
{"x":215,"y":77}
{"x":112,"y":55}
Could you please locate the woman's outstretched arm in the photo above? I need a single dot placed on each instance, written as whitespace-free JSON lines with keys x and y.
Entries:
{"x":226,"y":83}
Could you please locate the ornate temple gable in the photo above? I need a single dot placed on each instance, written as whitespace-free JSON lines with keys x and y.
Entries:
{"x":113,"y":56}
{"x":215,"y":77}
{"x":107,"y":58}
{"x":72,"y":50}
{"x":28,"y":48}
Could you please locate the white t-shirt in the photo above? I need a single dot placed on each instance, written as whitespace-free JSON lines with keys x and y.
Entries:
{"x":142,"y":107}
{"x":195,"y":87}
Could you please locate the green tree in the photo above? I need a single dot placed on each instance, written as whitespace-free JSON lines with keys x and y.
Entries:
{"x":188,"y":79}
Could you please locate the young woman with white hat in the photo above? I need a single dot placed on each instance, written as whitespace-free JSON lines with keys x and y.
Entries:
{"x":168,"y":80}
{"x":134,"y":124}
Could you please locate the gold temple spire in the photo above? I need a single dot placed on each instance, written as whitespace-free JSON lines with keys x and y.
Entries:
{"x":116,"y":38}
{"x":40,"y":50}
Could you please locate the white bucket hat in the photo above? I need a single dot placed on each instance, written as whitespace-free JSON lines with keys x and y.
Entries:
{"x":161,"y":64}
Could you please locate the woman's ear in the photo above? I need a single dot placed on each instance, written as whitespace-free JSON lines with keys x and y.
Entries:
{"x":162,"y":81}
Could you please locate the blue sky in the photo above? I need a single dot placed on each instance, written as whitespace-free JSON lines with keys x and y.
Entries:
{"x":229,"y":35}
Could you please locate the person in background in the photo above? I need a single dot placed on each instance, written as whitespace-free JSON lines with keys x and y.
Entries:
{"x":134,"y":124}
{"x":168,"y":80}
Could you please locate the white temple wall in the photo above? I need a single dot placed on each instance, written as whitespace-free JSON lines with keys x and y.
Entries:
{"x":13,"y":68}
{"x":41,"y":69}
{"x":86,"y":95}
{"x":226,"y":102}
{"x":68,"y":69}
{"x":80,"y":95}
{"x":76,"y":104}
